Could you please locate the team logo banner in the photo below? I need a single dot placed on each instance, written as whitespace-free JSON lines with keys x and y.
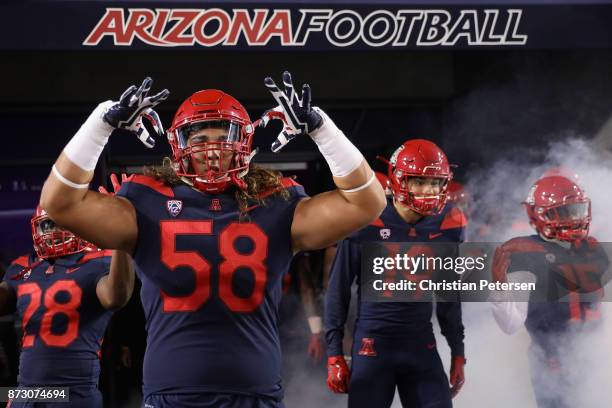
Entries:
{"x":216,"y":27}
{"x":289,"y":26}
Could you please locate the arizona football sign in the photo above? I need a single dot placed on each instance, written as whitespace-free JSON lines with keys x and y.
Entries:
{"x":283,"y":25}
{"x":216,"y":27}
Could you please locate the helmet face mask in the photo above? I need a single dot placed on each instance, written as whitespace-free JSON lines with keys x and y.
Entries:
{"x":51,"y":241}
{"x":419,"y":175}
{"x":211,"y":138}
{"x":558,"y":209}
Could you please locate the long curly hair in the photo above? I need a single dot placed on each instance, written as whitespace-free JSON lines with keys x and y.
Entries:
{"x":259,"y":180}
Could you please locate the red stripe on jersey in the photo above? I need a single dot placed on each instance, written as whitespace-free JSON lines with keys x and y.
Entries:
{"x":501,"y":259}
{"x":289,"y":182}
{"x":286,"y":182}
{"x":94,"y":255}
{"x":22,"y":261}
{"x":453,"y":219}
{"x":377,"y":223}
{"x":152,"y":183}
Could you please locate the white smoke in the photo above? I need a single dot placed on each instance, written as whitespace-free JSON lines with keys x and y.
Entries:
{"x":498,"y":369}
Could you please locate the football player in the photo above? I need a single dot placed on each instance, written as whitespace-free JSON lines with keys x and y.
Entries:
{"x":212,"y":234}
{"x":565,"y":263}
{"x":64,"y":293}
{"x":394,"y":344}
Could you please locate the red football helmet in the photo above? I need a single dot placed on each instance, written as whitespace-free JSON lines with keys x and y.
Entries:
{"x":215,"y":159}
{"x":419,"y":158}
{"x":458,"y":195}
{"x":50,"y":241}
{"x":558,"y":209}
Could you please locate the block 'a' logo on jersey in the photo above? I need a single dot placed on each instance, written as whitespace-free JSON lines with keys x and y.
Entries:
{"x":174,"y":207}
{"x":385,"y":233}
{"x":367,"y":347}
{"x":215,"y":205}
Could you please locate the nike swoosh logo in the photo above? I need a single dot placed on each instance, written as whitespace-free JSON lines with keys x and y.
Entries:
{"x":434,"y":236}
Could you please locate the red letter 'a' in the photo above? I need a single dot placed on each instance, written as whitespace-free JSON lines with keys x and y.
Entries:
{"x":112,"y":24}
{"x":278,"y":25}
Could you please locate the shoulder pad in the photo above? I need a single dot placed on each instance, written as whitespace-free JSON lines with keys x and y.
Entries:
{"x":523,"y":244}
{"x":501,"y":259}
{"x":377,"y":223}
{"x":286,"y":183}
{"x":23,"y":261}
{"x":454,"y":218}
{"x":154,"y":184}
{"x":95,"y":255}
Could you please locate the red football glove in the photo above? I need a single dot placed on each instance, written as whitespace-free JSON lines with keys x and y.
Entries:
{"x":457,"y":376}
{"x":315,"y":347}
{"x":337,"y":374}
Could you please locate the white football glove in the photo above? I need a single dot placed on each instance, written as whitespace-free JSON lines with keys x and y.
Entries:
{"x":134,"y":106}
{"x":298,"y":116}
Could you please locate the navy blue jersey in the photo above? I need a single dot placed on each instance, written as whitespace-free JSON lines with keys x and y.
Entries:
{"x":211,"y":287}
{"x":392,"y":318}
{"x":568,"y":282}
{"x":62,"y":319}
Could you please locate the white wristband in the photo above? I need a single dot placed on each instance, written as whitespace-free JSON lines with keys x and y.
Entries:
{"x":341,"y":155}
{"x":67,"y":182}
{"x":86,"y":145}
{"x":316,"y":324}
{"x":361,"y":187}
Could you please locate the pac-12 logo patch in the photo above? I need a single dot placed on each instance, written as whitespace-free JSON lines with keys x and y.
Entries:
{"x":367,"y":347}
{"x":174,"y":207}
{"x":385,"y":233}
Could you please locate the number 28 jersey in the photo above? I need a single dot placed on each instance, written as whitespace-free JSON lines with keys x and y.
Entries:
{"x":62,"y":319}
{"x":211,"y":287}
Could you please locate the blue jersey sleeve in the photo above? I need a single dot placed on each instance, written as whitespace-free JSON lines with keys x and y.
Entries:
{"x":15,"y":269}
{"x":338,"y":296}
{"x":101,"y":266}
{"x":451,"y":325}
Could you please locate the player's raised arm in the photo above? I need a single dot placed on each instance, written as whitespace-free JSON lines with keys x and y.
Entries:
{"x":328,"y":217}
{"x":106,"y":221}
{"x":115,"y":289}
